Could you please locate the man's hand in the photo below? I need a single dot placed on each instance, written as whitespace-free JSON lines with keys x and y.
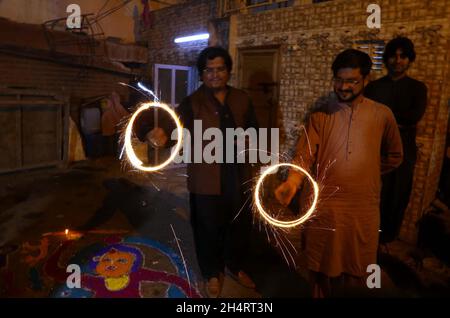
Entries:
{"x":156,"y":137}
{"x":285,"y":192}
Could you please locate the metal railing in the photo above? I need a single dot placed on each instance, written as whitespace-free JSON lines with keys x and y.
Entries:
{"x":229,"y":7}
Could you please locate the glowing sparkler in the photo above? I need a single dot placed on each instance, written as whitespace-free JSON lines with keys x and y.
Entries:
{"x":270,"y":219}
{"x":134,"y":160}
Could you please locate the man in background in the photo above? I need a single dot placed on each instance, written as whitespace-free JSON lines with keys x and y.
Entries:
{"x":407,"y":99}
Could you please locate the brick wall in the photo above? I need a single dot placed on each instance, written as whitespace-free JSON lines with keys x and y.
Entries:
{"x":309,"y":37}
{"x":177,"y":21}
{"x":74,"y":82}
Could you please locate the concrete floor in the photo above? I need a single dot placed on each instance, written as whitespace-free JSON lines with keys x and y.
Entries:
{"x":100,"y":198}
{"x":104,"y":200}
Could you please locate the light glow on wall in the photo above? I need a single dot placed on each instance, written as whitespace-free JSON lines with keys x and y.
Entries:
{"x":203,"y":36}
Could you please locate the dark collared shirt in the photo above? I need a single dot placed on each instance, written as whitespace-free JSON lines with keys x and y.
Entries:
{"x":407,"y":98}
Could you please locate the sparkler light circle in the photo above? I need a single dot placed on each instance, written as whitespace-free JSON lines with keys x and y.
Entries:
{"x":134,"y":160}
{"x":270,"y":219}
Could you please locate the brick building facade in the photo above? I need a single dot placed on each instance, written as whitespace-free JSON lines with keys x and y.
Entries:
{"x":177,"y":21}
{"x":308,"y":37}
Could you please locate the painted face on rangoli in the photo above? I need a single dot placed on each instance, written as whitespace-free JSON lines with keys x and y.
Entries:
{"x":114,"y":263}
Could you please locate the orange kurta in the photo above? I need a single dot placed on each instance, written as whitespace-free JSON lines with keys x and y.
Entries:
{"x":348,"y":149}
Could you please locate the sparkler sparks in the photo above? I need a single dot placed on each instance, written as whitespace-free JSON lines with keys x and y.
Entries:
{"x":156,"y":99}
{"x":273,"y":221}
{"x":134,"y":160}
{"x":184,"y":261}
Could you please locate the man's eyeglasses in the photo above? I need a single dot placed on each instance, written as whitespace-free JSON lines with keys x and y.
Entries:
{"x":210,"y":71}
{"x":340,"y":81}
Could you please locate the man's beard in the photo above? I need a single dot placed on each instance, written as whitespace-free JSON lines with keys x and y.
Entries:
{"x":349,"y":99}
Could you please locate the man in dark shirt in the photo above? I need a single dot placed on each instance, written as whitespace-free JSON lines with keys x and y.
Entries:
{"x":220,"y":212}
{"x":407,"y":99}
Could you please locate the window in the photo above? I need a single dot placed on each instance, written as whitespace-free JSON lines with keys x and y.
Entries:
{"x":375,"y":49}
{"x":174,"y":82}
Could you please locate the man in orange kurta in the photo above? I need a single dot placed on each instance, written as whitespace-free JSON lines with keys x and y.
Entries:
{"x":350,"y":142}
